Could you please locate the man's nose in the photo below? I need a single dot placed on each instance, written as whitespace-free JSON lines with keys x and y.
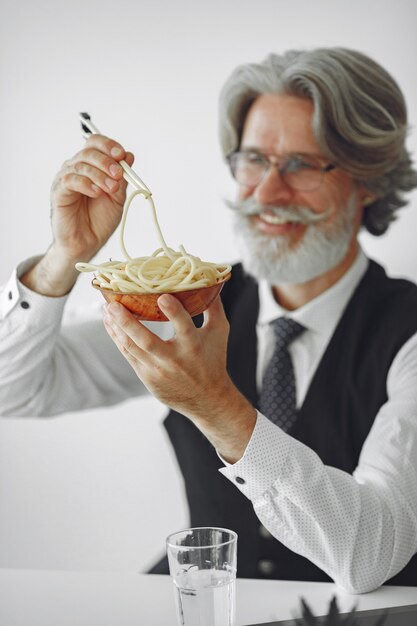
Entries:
{"x":272,"y":189}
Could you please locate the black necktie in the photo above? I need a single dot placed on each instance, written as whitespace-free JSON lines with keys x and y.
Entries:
{"x":277,"y":399}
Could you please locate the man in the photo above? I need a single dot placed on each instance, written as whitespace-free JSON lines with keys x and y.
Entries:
{"x":315,"y":141}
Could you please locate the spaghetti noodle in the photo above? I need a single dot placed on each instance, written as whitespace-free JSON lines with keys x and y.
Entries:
{"x":166,"y":270}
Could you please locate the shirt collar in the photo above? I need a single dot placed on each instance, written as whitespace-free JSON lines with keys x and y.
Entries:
{"x":323,"y":312}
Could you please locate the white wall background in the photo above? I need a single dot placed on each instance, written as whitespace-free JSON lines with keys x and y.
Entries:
{"x":100,"y":490}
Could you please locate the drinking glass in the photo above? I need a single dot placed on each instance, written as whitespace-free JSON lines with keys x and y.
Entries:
{"x":202,"y":563}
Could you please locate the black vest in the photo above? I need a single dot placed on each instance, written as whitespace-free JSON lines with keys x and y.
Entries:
{"x":343,"y":399}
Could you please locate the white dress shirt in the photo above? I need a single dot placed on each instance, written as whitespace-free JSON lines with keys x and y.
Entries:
{"x":361,"y":529}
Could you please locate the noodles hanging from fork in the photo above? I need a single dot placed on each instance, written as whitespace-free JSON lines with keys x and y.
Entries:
{"x":166,"y":270}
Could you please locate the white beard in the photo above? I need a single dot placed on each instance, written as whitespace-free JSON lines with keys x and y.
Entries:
{"x":323,"y":246}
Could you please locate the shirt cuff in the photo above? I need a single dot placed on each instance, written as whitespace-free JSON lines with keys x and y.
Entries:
{"x":262,"y":461}
{"x":27,"y":304}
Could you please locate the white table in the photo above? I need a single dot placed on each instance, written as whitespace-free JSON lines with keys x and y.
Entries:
{"x":58,"y":598}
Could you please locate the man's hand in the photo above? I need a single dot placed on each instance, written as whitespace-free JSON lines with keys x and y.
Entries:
{"x":87,"y":200}
{"x":188,"y":372}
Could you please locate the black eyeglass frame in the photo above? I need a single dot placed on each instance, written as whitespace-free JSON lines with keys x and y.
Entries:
{"x":270,"y":163}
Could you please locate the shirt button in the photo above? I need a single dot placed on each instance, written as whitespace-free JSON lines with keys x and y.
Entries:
{"x":264,"y":533}
{"x":24,"y":304}
{"x":10,"y":295}
{"x":240,"y":480}
{"x":267,"y":567}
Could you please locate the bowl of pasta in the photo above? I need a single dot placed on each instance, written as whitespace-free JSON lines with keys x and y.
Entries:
{"x":137,"y":283}
{"x":145,"y":305}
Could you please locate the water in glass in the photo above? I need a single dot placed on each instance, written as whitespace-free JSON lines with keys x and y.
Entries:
{"x":205,"y":598}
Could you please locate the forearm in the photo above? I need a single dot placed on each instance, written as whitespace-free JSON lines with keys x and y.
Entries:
{"x":227,"y":422}
{"x":54,"y":275}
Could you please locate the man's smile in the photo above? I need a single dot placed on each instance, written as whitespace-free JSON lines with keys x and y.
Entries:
{"x":273,"y":224}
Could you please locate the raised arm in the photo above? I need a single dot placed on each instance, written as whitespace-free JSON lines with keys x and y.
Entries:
{"x":45,"y":370}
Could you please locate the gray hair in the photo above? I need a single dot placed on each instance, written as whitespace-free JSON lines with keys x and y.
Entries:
{"x":359,"y":120}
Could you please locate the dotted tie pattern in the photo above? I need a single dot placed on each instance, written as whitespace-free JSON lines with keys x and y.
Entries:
{"x":277,"y":399}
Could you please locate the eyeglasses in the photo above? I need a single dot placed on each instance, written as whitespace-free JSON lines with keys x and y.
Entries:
{"x":300,"y":172}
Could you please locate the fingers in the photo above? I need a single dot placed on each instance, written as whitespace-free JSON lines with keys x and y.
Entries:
{"x":215,"y":317}
{"x":137,"y":342}
{"x":123,"y":342}
{"x":107,"y":146}
{"x":132,"y":338}
{"x":98,"y":163}
{"x":86,"y":182}
{"x":66,"y":184}
{"x":96,"y":168}
{"x":129,"y":158}
{"x":175,"y":312}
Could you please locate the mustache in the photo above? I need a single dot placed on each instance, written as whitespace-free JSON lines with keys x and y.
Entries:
{"x":293,"y":213}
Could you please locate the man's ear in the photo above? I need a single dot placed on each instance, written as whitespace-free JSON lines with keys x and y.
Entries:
{"x":368,"y":200}
{"x":366,"y":197}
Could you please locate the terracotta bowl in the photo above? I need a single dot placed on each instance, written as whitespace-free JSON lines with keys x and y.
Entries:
{"x":145,"y":306}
